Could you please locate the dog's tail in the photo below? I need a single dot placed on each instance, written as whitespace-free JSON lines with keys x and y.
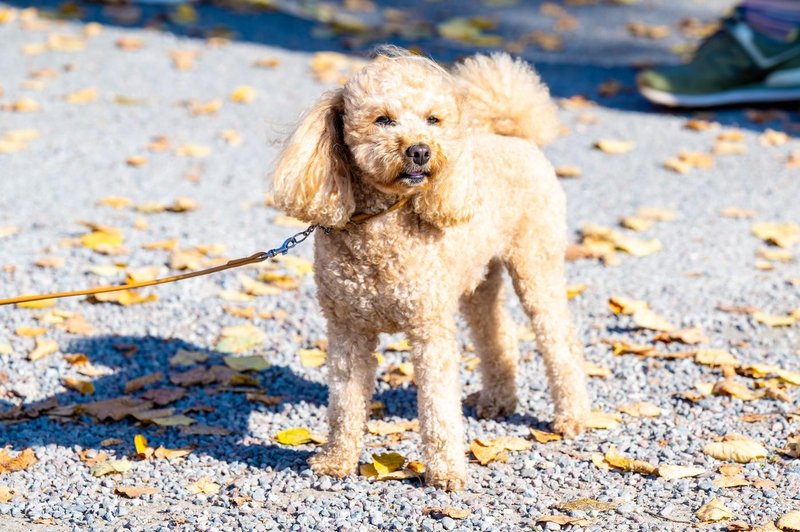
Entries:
{"x":505,"y":96}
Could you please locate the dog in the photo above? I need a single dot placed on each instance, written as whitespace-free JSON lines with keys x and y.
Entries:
{"x":461,"y":148}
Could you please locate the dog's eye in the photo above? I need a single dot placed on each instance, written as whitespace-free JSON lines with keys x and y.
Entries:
{"x":384,"y":120}
{"x":432,"y":120}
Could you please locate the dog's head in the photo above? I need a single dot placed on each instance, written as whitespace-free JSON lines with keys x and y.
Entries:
{"x":397,"y":125}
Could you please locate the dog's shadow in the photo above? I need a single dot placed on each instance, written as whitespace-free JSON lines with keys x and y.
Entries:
{"x":225,"y":407}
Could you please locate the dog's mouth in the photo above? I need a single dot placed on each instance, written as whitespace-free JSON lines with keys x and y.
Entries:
{"x":413,"y":178}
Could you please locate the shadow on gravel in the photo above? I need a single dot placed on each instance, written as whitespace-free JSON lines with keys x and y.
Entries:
{"x":566,"y":76}
{"x":217,"y":405}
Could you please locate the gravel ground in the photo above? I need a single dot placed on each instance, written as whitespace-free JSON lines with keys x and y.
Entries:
{"x":54,"y":183}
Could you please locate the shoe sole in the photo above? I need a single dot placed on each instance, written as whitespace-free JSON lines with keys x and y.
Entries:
{"x":738,"y":96}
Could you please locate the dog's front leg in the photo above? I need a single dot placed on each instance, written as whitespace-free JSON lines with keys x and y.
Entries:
{"x":351,"y":380}
{"x":436,"y":373}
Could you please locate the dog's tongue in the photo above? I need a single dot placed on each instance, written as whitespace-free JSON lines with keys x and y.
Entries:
{"x":415,"y":174}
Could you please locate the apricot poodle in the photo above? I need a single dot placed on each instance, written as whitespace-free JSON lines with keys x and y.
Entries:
{"x":462,"y":146}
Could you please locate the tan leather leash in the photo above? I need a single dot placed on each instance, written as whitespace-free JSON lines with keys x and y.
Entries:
{"x":261,"y":256}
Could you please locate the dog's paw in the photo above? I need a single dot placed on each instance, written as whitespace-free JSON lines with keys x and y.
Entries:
{"x":446,"y":481}
{"x":333,"y":463}
{"x":568,"y":426}
{"x":491,"y":406}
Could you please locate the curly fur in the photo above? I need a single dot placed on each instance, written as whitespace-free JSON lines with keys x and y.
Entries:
{"x":487,"y":200}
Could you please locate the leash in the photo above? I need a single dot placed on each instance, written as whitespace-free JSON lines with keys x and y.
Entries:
{"x":261,"y":256}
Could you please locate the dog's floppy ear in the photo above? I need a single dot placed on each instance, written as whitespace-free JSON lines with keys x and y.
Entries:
{"x":312,"y":180}
{"x":452,"y":196}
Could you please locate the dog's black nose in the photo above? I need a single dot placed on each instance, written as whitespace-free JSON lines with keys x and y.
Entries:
{"x":419,"y":153}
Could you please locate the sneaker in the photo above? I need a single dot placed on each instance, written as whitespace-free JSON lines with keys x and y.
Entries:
{"x":735,"y":65}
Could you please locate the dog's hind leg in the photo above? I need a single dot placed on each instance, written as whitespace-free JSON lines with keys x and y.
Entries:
{"x":351,"y":380}
{"x":536,"y":265}
{"x":494,"y":335}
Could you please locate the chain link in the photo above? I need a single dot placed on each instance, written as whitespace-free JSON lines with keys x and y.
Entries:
{"x":290,"y":242}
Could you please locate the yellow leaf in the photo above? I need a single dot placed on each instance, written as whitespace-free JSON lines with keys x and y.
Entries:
{"x":790,"y":521}
{"x":43,"y":348}
{"x":384,"y":428}
{"x":544,"y":437}
{"x":714,"y":511}
{"x":125,"y":298}
{"x":257,"y":288}
{"x":614,"y":146}
{"x":193,"y":150}
{"x":715,"y":357}
{"x":674,"y":472}
{"x":400,"y":346}
{"x":170,"y":454}
{"x":86,"y":95}
{"x":735,"y":389}
{"x":593,"y":370}
{"x":29,"y":331}
{"x":574,"y":290}
{"x":781,"y":234}
{"x":140,"y":444}
{"x":297,"y":436}
{"x":387,"y":462}
{"x":774,"y":321}
{"x":133,"y":492}
{"x":244,"y":94}
{"x":647,"y":319}
{"x":468,"y":30}
{"x":6,"y":493}
{"x":239,"y":338}
{"x":619,"y":461}
{"x":730,"y":482}
{"x":641,"y":409}
{"x":741,"y":451}
{"x":102,"y":240}
{"x":484,"y":453}
{"x":110,"y":467}
{"x":247,"y":363}
{"x":204,"y":486}
{"x":312,"y":358}
{"x":80,"y":386}
{"x":624,"y":305}
{"x":603,"y":420}
{"x":23,"y":460}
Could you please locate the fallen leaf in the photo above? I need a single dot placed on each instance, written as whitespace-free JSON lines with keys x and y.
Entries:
{"x":447,"y":511}
{"x":715,"y":357}
{"x":142,"y":449}
{"x":613,"y":146}
{"x":741,"y":451}
{"x":624,"y":305}
{"x":544,"y":437}
{"x":783,"y":235}
{"x":641,"y":409}
{"x":568,"y":171}
{"x":603,"y":420}
{"x":593,"y":370}
{"x":187,"y":358}
{"x":170,"y":454}
{"x":737,"y":212}
{"x":204,"y":486}
{"x":585,"y":505}
{"x":691,"y":336}
{"x":134,"y":492}
{"x":111,"y":467}
{"x":730,"y":482}
{"x":239,"y":338}
{"x":43,"y":348}
{"x":312,"y":358}
{"x":618,"y":461}
{"x":173,"y":421}
{"x":6,"y":493}
{"x":735,"y":389}
{"x":470,"y":30}
{"x":789,"y":521}
{"x":298,"y":436}
{"x":486,"y":451}
{"x":774,"y":321}
{"x":244,"y":94}
{"x":247,"y":363}
{"x":193,"y":150}
{"x":714,"y":511}
{"x":81,"y":386}
{"x":647,"y":319}
{"x":125,"y":298}
{"x":86,"y":95}
{"x":138,"y":383}
{"x":647,"y":31}
{"x":674,"y":472}
{"x":23,"y":460}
